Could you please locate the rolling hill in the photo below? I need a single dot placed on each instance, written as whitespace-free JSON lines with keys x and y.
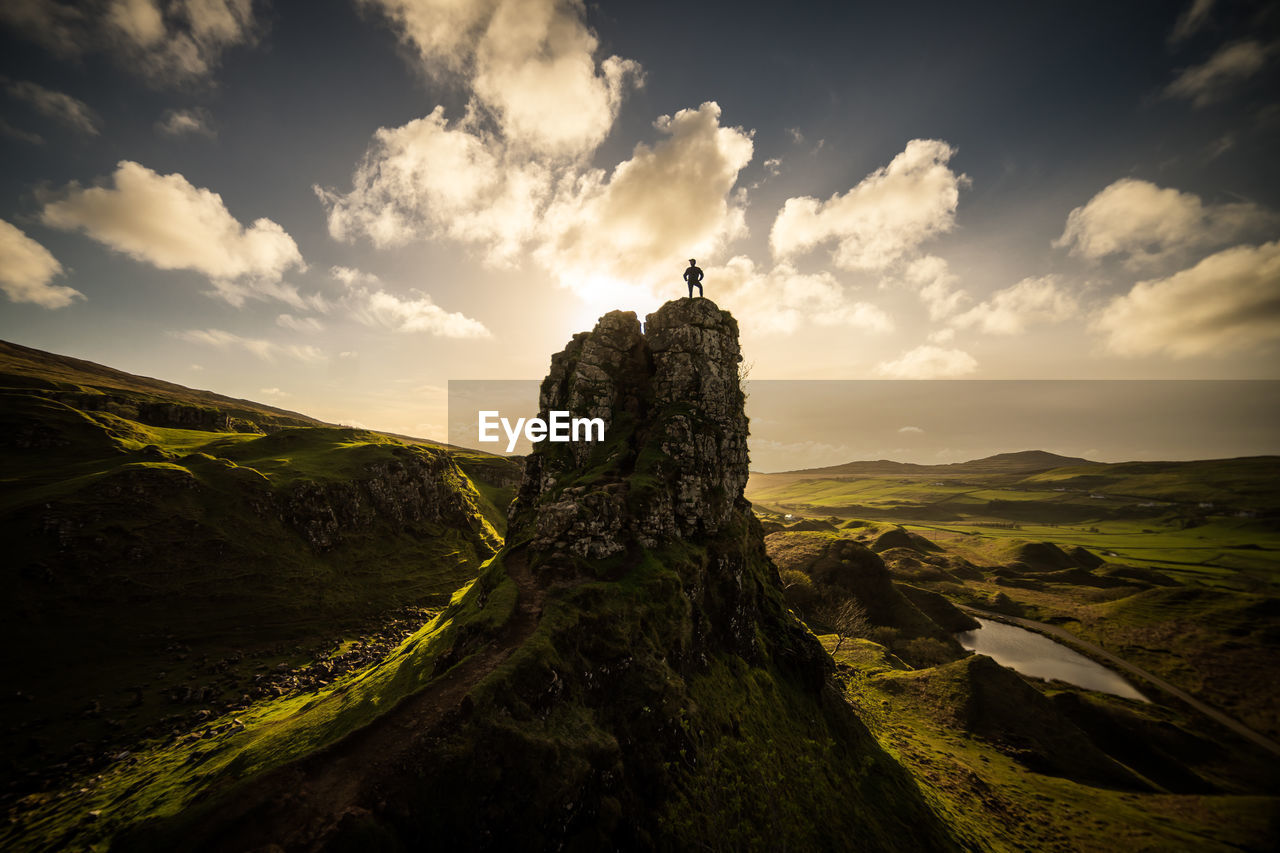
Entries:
{"x":172,"y":553}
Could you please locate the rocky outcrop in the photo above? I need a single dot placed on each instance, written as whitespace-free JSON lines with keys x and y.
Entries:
{"x":418,"y":486}
{"x":674,"y":460}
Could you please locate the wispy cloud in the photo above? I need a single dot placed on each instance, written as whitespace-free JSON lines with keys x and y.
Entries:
{"x":18,"y":133}
{"x":261,"y":347}
{"x":369,"y":303}
{"x":300,"y":324}
{"x":1214,"y":79}
{"x":1191,"y":21}
{"x":59,"y":106}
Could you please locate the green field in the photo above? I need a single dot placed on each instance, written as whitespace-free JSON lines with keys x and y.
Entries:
{"x":1180,"y":571}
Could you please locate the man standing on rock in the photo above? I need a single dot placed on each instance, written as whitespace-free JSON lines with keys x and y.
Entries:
{"x":693,"y":275}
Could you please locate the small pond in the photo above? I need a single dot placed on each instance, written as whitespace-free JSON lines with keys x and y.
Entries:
{"x":1040,"y":657}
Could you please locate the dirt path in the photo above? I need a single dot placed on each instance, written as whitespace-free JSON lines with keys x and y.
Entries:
{"x":300,"y":805}
{"x":1066,"y":636}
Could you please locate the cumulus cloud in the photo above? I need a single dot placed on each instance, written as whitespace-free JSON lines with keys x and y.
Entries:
{"x":59,"y":106}
{"x":170,"y":42}
{"x":937,"y":286}
{"x":781,"y":300}
{"x":27,"y":268}
{"x":882,"y":219}
{"x":370,"y":304}
{"x":1146,"y":223}
{"x":672,"y":199}
{"x":928,"y":362}
{"x":1212,"y":81}
{"x":1010,"y":311}
{"x":592,"y":228}
{"x":1230,"y":301}
{"x":428,"y":178}
{"x":530,"y":65}
{"x":261,"y":347}
{"x":165,"y":221}
{"x":910,"y":430}
{"x":196,"y":121}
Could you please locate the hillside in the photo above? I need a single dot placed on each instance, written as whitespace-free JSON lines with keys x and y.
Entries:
{"x":95,"y":387}
{"x":175,"y":553}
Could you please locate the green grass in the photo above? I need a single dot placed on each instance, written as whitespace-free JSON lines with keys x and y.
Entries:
{"x":163,"y":778}
{"x":992,"y":801}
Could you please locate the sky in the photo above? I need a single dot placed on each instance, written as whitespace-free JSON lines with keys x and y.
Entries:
{"x":338,"y":206}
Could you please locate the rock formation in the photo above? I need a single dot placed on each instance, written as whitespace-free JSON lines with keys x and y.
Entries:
{"x":624,"y":674}
{"x":674,"y":462}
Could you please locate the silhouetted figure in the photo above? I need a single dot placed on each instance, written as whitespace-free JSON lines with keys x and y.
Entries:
{"x":693,"y":275}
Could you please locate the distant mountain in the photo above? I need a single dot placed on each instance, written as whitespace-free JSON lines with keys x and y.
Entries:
{"x":1021,"y":462}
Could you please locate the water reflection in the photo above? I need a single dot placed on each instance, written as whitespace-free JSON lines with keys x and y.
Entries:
{"x":1036,"y":655}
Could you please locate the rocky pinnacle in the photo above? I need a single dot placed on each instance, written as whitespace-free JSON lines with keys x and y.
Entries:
{"x":674,"y":460}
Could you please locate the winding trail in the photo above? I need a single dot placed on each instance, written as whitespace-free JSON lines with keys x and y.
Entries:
{"x":1067,"y":637}
{"x":300,"y":805}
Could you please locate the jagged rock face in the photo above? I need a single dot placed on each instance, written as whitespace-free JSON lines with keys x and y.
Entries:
{"x":419,"y":487}
{"x":674,"y":460}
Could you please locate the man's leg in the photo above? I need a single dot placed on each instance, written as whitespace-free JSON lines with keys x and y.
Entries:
{"x":690,"y":290}
{"x":699,"y":291}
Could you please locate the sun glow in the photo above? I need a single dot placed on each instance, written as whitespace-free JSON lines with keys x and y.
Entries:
{"x":601,"y":294}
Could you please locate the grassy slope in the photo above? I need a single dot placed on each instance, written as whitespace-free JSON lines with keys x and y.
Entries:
{"x":156,"y":557}
{"x":994,"y":801}
{"x":164,"y":776}
{"x":58,"y":375}
{"x":744,"y":754}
